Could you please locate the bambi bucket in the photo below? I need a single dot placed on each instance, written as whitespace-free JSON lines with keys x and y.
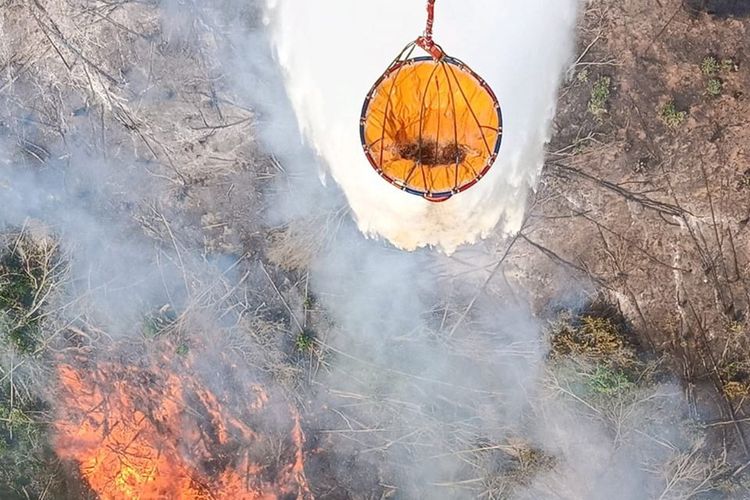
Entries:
{"x":430,"y":125}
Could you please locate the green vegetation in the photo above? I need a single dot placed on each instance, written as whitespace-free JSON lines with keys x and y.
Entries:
{"x":736,"y":328}
{"x":600,"y":94}
{"x":594,"y":338}
{"x":25,"y":455}
{"x":710,"y":66}
{"x":729,"y":64}
{"x":21,"y":283}
{"x":671,"y":116}
{"x":735,"y":377}
{"x":29,"y":272}
{"x":609,"y":381}
{"x":592,"y":354}
{"x":733,"y":364}
{"x":598,"y":368}
{"x":305,"y":341}
{"x":156,"y":322}
{"x":309,"y":302}
{"x":714,"y":87}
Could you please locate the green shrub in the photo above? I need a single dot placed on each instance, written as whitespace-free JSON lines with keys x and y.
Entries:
{"x":710,"y":66}
{"x":594,"y":338}
{"x":735,"y":378}
{"x":729,"y":64}
{"x":182,"y":349}
{"x":671,"y":116}
{"x":600,"y":94}
{"x":714,"y":87}
{"x":157,"y":321}
{"x":608,"y":381}
{"x":305,"y":341}
{"x":24,"y":282}
{"x":28,"y":273}
{"x":25,"y":455}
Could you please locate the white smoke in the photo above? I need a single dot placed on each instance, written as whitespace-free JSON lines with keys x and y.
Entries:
{"x":333,"y":50}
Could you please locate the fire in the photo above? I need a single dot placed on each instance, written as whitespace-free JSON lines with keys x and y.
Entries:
{"x":154,"y":428}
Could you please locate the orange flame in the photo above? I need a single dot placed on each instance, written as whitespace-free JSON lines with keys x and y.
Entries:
{"x":143,"y":432}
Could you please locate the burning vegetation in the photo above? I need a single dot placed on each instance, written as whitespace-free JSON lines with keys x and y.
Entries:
{"x":159,"y":429}
{"x":172,"y":413}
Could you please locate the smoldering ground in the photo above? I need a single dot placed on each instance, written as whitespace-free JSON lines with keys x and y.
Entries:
{"x":421,"y":382}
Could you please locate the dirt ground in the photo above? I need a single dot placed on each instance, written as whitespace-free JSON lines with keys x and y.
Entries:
{"x":645,"y":190}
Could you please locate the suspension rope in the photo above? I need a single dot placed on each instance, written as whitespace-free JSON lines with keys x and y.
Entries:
{"x":430,"y":19}
{"x":425,"y":41}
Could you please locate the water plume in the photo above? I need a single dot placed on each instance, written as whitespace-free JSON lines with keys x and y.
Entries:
{"x":333,"y":51}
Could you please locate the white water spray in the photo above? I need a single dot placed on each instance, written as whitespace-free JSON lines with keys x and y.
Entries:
{"x":333,"y":50}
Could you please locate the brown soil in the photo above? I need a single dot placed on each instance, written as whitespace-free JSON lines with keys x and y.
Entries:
{"x":655,"y":214}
